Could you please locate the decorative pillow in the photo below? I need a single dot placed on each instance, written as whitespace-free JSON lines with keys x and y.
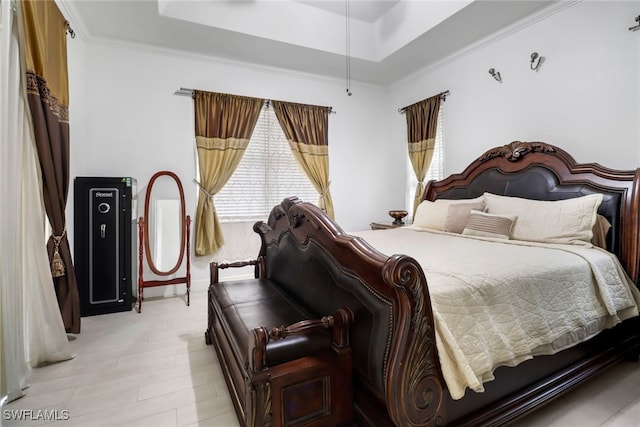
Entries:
{"x":458,"y":215}
{"x":600,"y":231}
{"x":489,"y":225}
{"x":434,"y":214}
{"x":562,"y":221}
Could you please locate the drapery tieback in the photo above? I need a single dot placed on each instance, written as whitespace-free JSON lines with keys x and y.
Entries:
{"x":204,"y":190}
{"x":324,"y":192}
{"x":209,"y":195}
{"x":57,"y":265}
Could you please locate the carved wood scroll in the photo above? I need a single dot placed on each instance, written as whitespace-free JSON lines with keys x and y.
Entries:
{"x":515,"y":150}
{"x":415,"y":386}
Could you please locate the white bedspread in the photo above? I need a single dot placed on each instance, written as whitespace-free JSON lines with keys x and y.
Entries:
{"x":502,"y":302}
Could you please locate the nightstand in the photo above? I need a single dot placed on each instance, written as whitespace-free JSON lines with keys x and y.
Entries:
{"x":384,"y":225}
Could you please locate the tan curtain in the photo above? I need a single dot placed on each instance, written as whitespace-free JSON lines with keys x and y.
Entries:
{"x":306,"y":129}
{"x":224,"y":124}
{"x":48,"y":98}
{"x":422,"y":123}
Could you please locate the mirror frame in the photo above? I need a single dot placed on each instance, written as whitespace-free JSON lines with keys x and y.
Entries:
{"x":183,"y":217}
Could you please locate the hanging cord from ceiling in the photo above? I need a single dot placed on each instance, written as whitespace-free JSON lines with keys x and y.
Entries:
{"x":348,"y":47}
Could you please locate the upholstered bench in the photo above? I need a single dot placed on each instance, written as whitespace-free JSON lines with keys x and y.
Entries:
{"x":279,"y":375}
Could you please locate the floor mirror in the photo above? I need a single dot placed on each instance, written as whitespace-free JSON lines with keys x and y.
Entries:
{"x":164,"y":231}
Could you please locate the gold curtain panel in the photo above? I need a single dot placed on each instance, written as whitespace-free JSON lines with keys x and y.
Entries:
{"x":46,"y":46}
{"x":422,"y":124}
{"x":223,"y":127}
{"x":306,"y":129}
{"x":48,"y":97}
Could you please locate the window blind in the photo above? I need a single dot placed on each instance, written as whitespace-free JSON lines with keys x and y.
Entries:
{"x":267,"y":174}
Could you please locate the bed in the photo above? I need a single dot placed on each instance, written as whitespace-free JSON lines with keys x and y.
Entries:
{"x":410,"y":367}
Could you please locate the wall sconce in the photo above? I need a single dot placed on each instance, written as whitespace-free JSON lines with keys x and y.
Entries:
{"x":495,"y":74}
{"x":536,"y":64}
{"x":70,"y":31}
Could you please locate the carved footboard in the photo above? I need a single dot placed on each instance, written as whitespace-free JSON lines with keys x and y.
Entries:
{"x":415,"y":386}
{"x":397,"y":371}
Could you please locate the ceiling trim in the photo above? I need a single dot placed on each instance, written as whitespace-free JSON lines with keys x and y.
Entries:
{"x":298,"y":23}
{"x":201,"y":41}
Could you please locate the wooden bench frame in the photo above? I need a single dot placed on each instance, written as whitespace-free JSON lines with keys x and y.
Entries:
{"x":314,"y":390}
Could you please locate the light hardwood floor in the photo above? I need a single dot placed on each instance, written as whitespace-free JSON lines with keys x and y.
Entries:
{"x":154,"y":369}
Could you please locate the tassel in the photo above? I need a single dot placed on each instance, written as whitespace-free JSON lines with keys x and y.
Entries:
{"x":57,"y":266}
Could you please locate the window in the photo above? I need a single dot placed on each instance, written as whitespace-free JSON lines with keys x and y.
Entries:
{"x":436,"y":170}
{"x":267,"y":174}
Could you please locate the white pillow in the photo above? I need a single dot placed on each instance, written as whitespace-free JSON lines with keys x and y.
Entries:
{"x":434,"y":214}
{"x":458,"y":216}
{"x":562,"y":221}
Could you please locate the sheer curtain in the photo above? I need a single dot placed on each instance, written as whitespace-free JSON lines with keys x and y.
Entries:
{"x":31,"y":329}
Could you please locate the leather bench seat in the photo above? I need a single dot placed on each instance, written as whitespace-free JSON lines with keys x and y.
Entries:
{"x":247,"y":304}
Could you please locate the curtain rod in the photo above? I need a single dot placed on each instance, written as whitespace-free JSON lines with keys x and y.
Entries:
{"x":443,"y":95}
{"x":189,"y":92}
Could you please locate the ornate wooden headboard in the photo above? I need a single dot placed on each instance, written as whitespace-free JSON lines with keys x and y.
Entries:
{"x":540,"y":171}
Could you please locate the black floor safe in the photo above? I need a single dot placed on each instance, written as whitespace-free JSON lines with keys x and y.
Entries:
{"x":105,"y":243}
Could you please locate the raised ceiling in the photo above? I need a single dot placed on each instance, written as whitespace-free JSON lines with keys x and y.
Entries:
{"x":388,"y":39}
{"x":363,"y":10}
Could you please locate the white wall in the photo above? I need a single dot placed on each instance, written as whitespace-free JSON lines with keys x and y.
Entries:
{"x":584,"y":97}
{"x":125,"y":120}
{"x":129,"y":123}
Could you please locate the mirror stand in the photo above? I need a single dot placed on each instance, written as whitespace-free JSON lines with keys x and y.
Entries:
{"x":144,"y":251}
